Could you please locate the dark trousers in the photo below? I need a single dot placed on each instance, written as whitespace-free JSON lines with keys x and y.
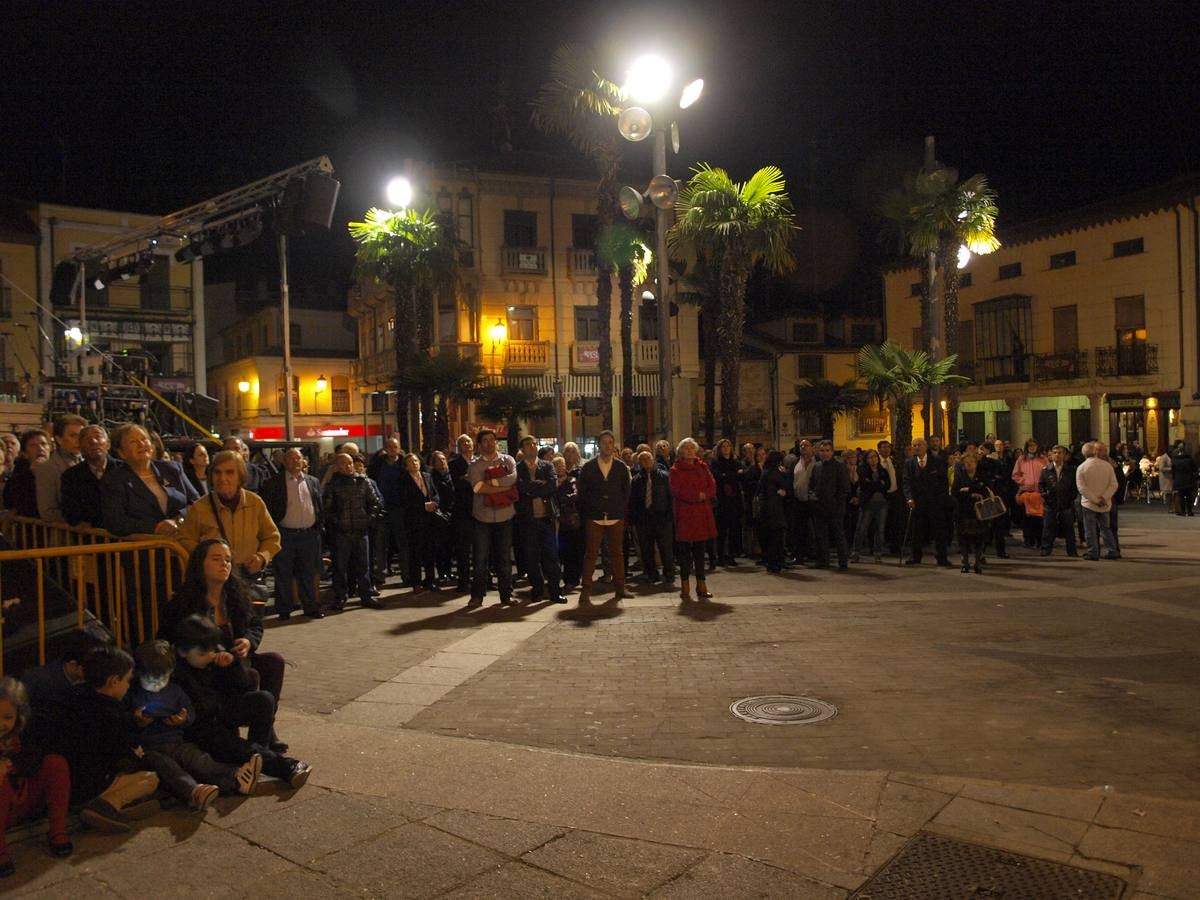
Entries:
{"x":801,"y":530}
{"x":539,"y":546}
{"x":463,"y":529}
{"x":897,"y":519}
{"x":691,"y":555}
{"x":825,"y":523}
{"x":493,"y":543}
{"x":771,"y":539}
{"x":227,"y":746}
{"x":729,"y":527}
{"x":929,"y":519}
{"x":420,"y":555}
{"x":389,"y":533}
{"x":1186,"y":500}
{"x":350,"y":563}
{"x":443,"y":547}
{"x":657,"y":534}
{"x":1000,"y":528}
{"x":1056,"y":524}
{"x":570,"y":554}
{"x":613,"y":538}
{"x":181,"y":765}
{"x":255,"y":710}
{"x":297,"y":559}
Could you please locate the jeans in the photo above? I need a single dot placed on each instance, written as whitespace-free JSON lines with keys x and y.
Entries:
{"x":350,"y":563}
{"x":872,"y":518}
{"x":493,"y":540}
{"x":539,"y":548}
{"x":824,"y":523}
{"x":297,"y":560}
{"x":179,"y":765}
{"x":1054,"y":524}
{"x":1095,"y":528}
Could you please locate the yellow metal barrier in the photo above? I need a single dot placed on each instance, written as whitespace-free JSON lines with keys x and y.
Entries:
{"x":123,"y":582}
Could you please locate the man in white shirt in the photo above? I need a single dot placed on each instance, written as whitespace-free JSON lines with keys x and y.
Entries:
{"x":895,"y":496}
{"x":1097,"y":483}
{"x":293,"y":499}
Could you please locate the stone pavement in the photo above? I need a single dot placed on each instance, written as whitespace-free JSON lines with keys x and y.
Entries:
{"x":447,"y":758}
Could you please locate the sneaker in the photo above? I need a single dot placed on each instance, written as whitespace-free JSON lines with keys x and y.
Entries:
{"x":299,"y":776}
{"x":202,"y":796}
{"x":247,"y":774}
{"x":103,"y":816}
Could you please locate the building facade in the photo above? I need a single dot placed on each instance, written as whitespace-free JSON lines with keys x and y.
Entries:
{"x":527,"y":304}
{"x":19,"y":336}
{"x":1083,"y":325}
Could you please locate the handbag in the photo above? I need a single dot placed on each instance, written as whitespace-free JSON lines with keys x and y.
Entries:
{"x":257,"y":591}
{"x":990,"y":507}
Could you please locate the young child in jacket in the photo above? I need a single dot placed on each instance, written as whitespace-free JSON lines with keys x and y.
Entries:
{"x":219,"y":688}
{"x":98,"y":742}
{"x":162,"y":710}
{"x":28,"y":780}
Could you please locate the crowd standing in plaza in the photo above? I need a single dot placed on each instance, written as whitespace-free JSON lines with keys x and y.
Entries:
{"x":100,"y":728}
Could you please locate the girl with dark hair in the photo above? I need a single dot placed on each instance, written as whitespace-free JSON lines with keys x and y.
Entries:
{"x":212,"y":589}
{"x":195,"y":467}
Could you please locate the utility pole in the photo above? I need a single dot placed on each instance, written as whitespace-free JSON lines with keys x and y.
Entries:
{"x":286,"y":319}
{"x":662,"y":270}
{"x":932,"y":394}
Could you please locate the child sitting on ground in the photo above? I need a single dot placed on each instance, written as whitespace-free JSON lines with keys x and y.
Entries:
{"x":162,"y":711}
{"x":28,"y":780}
{"x":106,"y":766}
{"x":218,"y":686}
{"x":51,"y":688}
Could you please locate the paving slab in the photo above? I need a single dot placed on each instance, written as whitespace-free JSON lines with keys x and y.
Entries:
{"x":615,"y":866}
{"x":1049,"y":801}
{"x":1016,"y":829}
{"x":905,"y":808}
{"x":511,"y":837}
{"x":1151,"y":815}
{"x":723,"y":875}
{"x":1168,"y":867}
{"x":517,"y":879}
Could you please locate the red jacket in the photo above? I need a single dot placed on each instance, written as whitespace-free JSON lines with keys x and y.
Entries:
{"x":694,"y":519}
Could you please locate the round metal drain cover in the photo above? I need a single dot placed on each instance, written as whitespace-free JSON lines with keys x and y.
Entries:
{"x":781,"y":709}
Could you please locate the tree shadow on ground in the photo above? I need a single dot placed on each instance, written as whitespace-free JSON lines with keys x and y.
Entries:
{"x":702,"y":610}
{"x":464,"y":617}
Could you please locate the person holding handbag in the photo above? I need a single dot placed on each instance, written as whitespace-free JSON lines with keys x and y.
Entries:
{"x":969,"y":489}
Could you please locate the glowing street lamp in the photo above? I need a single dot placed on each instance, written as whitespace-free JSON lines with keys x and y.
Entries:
{"x":691,"y":93}
{"x":243,"y":386}
{"x":74,"y":335}
{"x":648,"y":78}
{"x":322,"y":383}
{"x":400,"y":192}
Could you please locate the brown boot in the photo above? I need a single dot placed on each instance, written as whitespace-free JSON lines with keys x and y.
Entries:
{"x":702,"y":590}
{"x":685,"y":589}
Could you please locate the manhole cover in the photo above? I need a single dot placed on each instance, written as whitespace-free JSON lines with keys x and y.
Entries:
{"x":931,"y":867}
{"x":780,"y":709}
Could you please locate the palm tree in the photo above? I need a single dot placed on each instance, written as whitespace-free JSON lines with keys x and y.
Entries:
{"x":829,"y":400}
{"x":736,"y":226}
{"x":579,"y":104}
{"x":893,"y":375}
{"x":412,"y":252}
{"x":509,"y":403}
{"x":450,"y":379}
{"x":934,"y":215}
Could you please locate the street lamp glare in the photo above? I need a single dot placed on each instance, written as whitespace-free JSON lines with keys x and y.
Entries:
{"x":322,"y":383}
{"x":74,"y":334}
{"x":243,"y":386}
{"x":964,"y":256}
{"x":648,"y":78}
{"x":399,"y":192}
{"x":691,"y":93}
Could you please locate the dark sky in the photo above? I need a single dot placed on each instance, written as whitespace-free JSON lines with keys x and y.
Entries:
{"x":153,"y":106}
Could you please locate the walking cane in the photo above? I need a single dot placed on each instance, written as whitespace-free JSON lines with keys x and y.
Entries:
{"x":904,"y":540}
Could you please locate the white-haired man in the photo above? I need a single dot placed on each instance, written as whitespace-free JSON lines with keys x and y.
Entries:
{"x":1097,"y":484}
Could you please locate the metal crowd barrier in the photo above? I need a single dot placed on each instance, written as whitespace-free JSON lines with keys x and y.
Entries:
{"x":122,"y":581}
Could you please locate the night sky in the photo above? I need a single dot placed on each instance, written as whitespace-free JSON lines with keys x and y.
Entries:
{"x":151,"y":107}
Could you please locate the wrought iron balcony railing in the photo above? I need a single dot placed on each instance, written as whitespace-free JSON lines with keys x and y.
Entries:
{"x":1060,"y":366}
{"x":1137,"y":358}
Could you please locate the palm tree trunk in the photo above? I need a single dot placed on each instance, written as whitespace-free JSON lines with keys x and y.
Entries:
{"x":604,"y":306}
{"x":625,"y":284}
{"x":902,"y":432}
{"x":928,"y":276}
{"x":403,"y":338}
{"x":950,"y":267}
{"x":729,"y":340}
{"x":708,"y":321}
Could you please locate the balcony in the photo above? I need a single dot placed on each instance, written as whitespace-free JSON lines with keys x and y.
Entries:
{"x":1137,"y":358}
{"x":1012,"y":369}
{"x":526,"y":356}
{"x":523,"y":260}
{"x":1060,"y":366}
{"x":645,"y":356}
{"x":585,"y":357}
{"x":582,"y":261}
{"x":374,"y":368}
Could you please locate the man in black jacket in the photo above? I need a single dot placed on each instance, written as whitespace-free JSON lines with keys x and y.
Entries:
{"x":536,"y":518}
{"x":603,"y":503}
{"x":927,"y":492}
{"x":1057,"y":486}
{"x":294,"y":501}
{"x":350,"y":509}
{"x":80,"y":502}
{"x":828,"y":491}
{"x":650,"y":510}
{"x":462,"y":522}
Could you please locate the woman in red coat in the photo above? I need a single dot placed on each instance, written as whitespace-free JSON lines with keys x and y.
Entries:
{"x":692,"y":488}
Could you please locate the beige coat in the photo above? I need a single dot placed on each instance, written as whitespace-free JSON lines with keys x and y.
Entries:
{"x":249,"y":529}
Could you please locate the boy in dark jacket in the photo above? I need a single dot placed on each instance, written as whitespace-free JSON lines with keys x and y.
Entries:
{"x":219,"y":688}
{"x":97,"y":740}
{"x":162,"y":711}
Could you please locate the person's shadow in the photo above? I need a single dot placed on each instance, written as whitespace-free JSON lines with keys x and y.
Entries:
{"x":703,"y":610}
{"x":586,"y":614}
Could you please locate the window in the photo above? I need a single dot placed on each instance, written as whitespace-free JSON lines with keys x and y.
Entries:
{"x":1062,"y":260}
{"x":1003,"y":336}
{"x":296,"y":334}
{"x":914,"y":289}
{"x":465,"y":223}
{"x":806,"y":333}
{"x":862,"y":334}
{"x":965,"y":280}
{"x":583,"y":232}
{"x":1011,"y":270}
{"x":1131,"y":335}
{"x":339,"y":394}
{"x":520,"y":228}
{"x":1131,"y":247}
{"x":810,"y":366}
{"x":447,"y":324}
{"x":1066,"y":329}
{"x":587,"y":323}
{"x":280,"y":381}
{"x":648,"y":322}
{"x":522,"y":323}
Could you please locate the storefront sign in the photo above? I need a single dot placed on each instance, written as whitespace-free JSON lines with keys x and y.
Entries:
{"x":311,"y":432}
{"x":1137,"y":403}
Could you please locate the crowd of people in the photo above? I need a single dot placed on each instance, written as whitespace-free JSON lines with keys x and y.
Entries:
{"x":102,"y":728}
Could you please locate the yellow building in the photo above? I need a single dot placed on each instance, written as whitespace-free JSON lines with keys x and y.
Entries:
{"x":250,"y":386}
{"x":152,"y":324}
{"x":19,"y":337}
{"x":1084,"y":324}
{"x":527,"y":307}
